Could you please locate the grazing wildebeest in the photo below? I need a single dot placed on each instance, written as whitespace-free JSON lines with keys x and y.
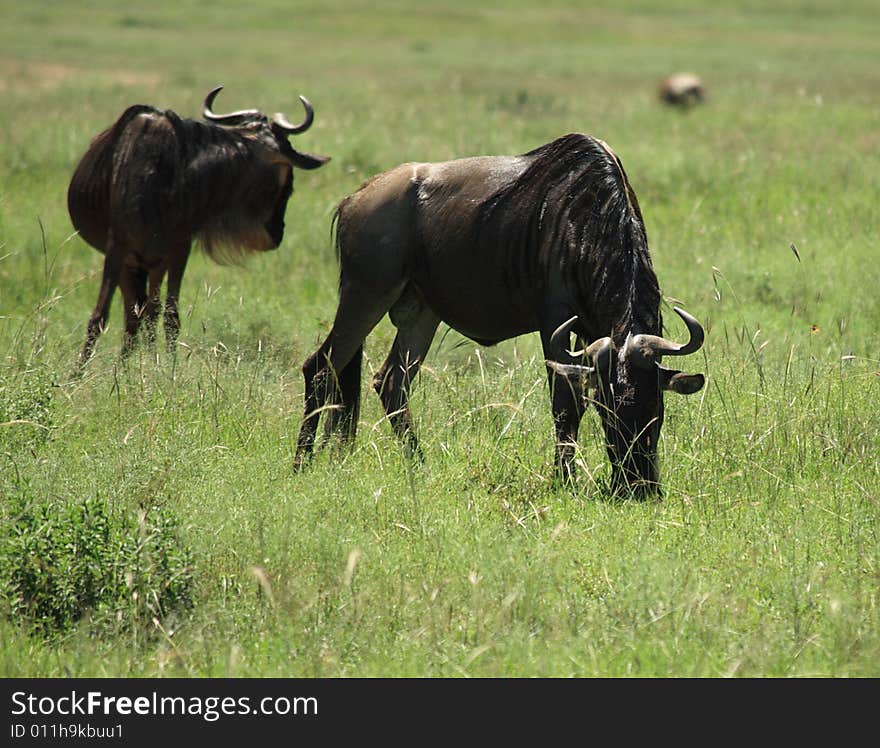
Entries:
{"x":153,"y":182}
{"x":681,"y":89}
{"x":551,"y":241}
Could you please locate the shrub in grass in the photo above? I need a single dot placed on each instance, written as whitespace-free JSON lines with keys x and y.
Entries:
{"x":62,"y":561}
{"x":25,"y":411}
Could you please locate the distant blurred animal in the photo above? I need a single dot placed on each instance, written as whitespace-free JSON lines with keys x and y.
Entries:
{"x":551,"y":241}
{"x":153,"y":182}
{"x":682,"y":90}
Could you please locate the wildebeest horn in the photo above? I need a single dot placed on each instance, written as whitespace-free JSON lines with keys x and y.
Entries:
{"x":594,"y":350}
{"x":233,"y":118}
{"x":282,"y":122}
{"x":598,"y":352}
{"x":646,"y":350}
{"x":558,"y":338}
{"x":577,"y":375}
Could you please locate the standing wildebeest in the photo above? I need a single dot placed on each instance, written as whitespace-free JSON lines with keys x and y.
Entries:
{"x":681,"y":89}
{"x":153,"y":182}
{"x":550,"y":241}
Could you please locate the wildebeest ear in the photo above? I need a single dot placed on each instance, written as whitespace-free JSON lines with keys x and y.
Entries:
{"x":683,"y":384}
{"x":308,"y":160}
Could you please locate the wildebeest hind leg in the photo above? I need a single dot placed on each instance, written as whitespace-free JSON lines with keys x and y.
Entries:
{"x":98,"y":320}
{"x":347,"y":396}
{"x":416,"y":325}
{"x":151,"y":312}
{"x":133,"y":284}
{"x":328,"y":377}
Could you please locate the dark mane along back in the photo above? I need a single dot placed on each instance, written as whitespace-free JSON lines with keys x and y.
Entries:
{"x":573,"y":208}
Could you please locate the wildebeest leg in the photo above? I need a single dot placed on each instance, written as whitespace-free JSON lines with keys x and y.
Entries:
{"x":359,"y":311}
{"x":567,"y":406}
{"x":133,"y":284}
{"x":347,"y":396}
{"x":151,"y":311}
{"x":176,"y":268}
{"x":98,"y":320}
{"x":416,"y":325}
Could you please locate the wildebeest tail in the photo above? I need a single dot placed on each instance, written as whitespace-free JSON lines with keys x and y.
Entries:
{"x":338,"y":222}
{"x":334,"y":228}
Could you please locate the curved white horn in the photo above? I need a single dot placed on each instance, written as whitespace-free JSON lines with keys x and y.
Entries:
{"x":647,"y":350}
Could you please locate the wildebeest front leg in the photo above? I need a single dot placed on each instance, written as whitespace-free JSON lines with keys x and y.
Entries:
{"x":416,"y":325}
{"x":567,"y":407}
{"x":176,"y":268}
{"x":98,"y":319}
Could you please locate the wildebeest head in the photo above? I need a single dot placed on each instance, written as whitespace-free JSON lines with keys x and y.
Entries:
{"x":626,"y":384}
{"x":270,"y":136}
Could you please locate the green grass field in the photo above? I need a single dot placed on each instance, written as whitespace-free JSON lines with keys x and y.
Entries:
{"x":762,"y":560}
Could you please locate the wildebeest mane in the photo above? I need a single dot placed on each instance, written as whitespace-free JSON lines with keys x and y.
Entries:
{"x":223,"y":189}
{"x":573,"y":207}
